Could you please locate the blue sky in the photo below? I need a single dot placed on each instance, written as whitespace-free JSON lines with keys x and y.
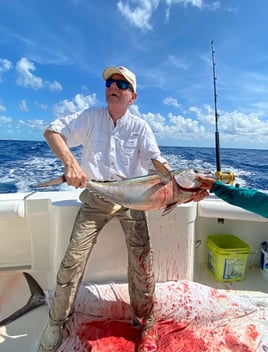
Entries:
{"x":52,"y":54}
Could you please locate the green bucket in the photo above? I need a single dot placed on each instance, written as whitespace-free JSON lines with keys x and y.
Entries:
{"x":227,"y":257}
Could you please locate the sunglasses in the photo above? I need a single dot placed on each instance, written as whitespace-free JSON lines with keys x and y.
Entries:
{"x":121,"y":84}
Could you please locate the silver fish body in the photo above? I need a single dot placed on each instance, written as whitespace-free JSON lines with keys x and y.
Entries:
{"x":157,"y":191}
{"x":150,"y":192}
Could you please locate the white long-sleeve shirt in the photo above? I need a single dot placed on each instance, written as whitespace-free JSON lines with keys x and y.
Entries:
{"x":108,"y":151}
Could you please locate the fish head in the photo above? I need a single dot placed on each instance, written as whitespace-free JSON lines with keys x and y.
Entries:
{"x":186,"y":180}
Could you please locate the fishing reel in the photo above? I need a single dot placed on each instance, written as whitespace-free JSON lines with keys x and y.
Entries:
{"x":226,"y":177}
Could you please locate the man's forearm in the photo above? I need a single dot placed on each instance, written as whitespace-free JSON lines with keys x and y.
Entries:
{"x":74,"y":174}
{"x":60,"y":148}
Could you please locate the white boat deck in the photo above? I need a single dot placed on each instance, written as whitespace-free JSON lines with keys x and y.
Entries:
{"x":35,"y":231}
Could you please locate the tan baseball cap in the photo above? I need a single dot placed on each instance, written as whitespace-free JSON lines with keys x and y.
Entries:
{"x":121,"y":70}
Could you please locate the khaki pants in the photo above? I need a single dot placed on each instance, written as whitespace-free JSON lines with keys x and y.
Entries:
{"x":91,"y":218}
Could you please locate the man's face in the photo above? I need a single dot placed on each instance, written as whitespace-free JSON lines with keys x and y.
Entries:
{"x":115,"y":95}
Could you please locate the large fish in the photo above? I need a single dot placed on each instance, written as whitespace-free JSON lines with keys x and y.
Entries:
{"x":151,"y":192}
{"x":37,"y":299}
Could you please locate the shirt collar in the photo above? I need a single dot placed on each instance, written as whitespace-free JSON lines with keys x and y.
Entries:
{"x":122,"y":119}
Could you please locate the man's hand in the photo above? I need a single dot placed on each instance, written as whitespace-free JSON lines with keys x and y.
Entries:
{"x":75,"y":176}
{"x":206,"y":182}
{"x":200,"y":195}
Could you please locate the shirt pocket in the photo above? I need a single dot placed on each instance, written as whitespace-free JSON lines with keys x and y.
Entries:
{"x":130,"y":146}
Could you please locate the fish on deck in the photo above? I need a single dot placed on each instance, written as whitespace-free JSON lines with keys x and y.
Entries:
{"x":37,"y":299}
{"x":161,"y":190}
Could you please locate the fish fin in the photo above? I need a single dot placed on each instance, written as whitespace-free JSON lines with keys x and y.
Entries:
{"x":37,"y":298}
{"x":34,"y":286}
{"x":55,"y":181}
{"x":169,"y":208}
{"x":164,"y":174}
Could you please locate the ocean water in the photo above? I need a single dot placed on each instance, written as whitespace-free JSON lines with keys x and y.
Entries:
{"x":23,"y":164}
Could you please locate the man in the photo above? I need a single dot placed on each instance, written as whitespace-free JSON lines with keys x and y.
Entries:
{"x":115,"y":142}
{"x":249,"y":199}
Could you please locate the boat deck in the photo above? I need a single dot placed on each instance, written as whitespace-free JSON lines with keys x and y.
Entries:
{"x":190,"y":316}
{"x":191,"y":306}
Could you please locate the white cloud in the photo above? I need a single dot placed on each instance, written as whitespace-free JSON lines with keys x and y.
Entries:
{"x":141,"y":11}
{"x":42,"y":106}
{"x":26,"y":78}
{"x":185,"y":125}
{"x":242,"y":124}
{"x":2,"y":107}
{"x":178,"y":63}
{"x":54,"y":86}
{"x":5,"y":65}
{"x":139,"y":15}
{"x":173,"y":127}
{"x":5,"y":119}
{"x":198,"y":124}
{"x":35,"y":124}
{"x":79,"y":102}
{"x":232,"y":123}
{"x":215,"y":5}
{"x":170,"y":3}
{"x":172,"y":102}
{"x":234,"y":127}
{"x":23,"y":105}
{"x":205,"y":114}
{"x":197,"y":3}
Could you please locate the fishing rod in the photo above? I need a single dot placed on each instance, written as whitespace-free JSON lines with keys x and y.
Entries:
{"x":217,"y":137}
{"x":226,"y":177}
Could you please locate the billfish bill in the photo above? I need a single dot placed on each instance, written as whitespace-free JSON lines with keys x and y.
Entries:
{"x":161,"y":190}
